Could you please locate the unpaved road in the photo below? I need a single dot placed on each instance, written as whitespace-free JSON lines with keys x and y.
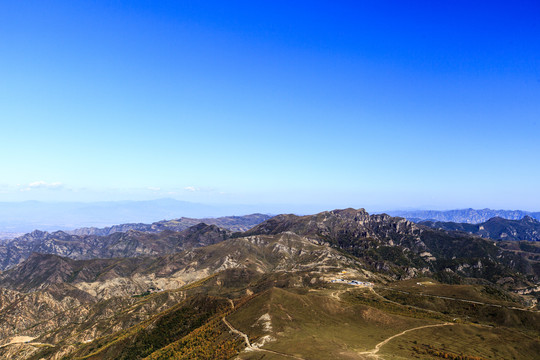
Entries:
{"x":238,"y":332}
{"x":458,"y":299}
{"x":373,"y":352}
{"x":250,"y":347}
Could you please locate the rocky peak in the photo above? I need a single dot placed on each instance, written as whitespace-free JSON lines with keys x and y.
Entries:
{"x":529,"y":219}
{"x":350,"y":223}
{"x":350,"y":213}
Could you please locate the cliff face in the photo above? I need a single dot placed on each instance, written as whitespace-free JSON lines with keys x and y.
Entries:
{"x":339,"y":225}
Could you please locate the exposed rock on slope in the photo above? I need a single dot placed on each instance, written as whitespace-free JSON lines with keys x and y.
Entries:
{"x":55,"y":298}
{"x":399,"y":247}
{"x":129,"y":276}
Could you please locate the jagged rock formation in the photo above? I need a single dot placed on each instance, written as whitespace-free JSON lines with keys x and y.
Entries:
{"x":400,"y":247}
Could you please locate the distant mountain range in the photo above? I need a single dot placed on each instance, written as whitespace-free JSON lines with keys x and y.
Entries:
{"x":27,"y":216}
{"x":233,"y":223}
{"x":470,"y":216}
{"x":127,"y":240}
{"x":24,"y":217}
{"x":495,"y":228}
{"x":129,"y":244}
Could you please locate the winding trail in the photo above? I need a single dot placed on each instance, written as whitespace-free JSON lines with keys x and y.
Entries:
{"x":336,"y":294}
{"x":250,"y":347}
{"x":373,"y":352}
{"x":405,"y":305}
{"x":238,"y":332}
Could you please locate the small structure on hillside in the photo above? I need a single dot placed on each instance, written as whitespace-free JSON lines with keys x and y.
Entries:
{"x":353,"y":282}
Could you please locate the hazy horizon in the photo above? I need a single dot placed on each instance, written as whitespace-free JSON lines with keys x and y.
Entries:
{"x":26,"y":216}
{"x":280,"y":205}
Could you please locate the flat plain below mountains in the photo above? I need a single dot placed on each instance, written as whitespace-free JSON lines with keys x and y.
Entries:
{"x":340,"y":284}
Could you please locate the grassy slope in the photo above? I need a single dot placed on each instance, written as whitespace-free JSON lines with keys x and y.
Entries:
{"x":316,"y":325}
{"x":483,"y":342}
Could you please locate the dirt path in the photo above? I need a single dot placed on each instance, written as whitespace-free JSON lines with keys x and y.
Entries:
{"x":373,"y":352}
{"x":250,"y":347}
{"x":396,"y":303}
{"x":238,"y":332}
{"x":462,"y":300}
{"x":336,"y":294}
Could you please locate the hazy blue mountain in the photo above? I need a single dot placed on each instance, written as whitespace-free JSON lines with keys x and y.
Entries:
{"x":495,"y":228}
{"x":470,"y":216}
{"x":23,"y":217}
{"x":233,"y":223}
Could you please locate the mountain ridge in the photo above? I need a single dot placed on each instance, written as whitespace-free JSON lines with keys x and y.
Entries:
{"x":233,"y":223}
{"x":132,"y":243}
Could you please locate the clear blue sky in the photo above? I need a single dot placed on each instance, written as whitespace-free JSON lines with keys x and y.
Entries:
{"x":376,"y":104}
